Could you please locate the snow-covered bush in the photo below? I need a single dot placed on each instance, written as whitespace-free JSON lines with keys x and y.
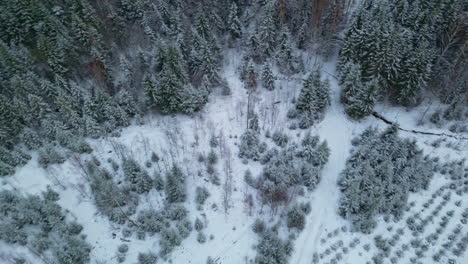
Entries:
{"x":201,"y":194}
{"x":212,"y":157}
{"x":296,"y":218}
{"x":198,"y":224}
{"x":138,"y":177}
{"x":110,"y":199}
{"x":175,"y":212}
{"x":381,"y":172}
{"x":170,"y":238}
{"x":258,"y":226}
{"x":250,"y":146}
{"x":295,"y":166}
{"x":147,"y":258}
{"x":41,"y":223}
{"x":50,"y":155}
{"x":271,"y":249}
{"x":185,"y":227}
{"x":280,"y":139}
{"x":201,"y":238}
{"x":150,"y":221}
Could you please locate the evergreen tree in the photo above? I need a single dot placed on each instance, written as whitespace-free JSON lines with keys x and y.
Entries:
{"x":266,"y":35}
{"x":268,"y":79}
{"x":287,"y":61}
{"x":233,"y":26}
{"x":175,"y":185}
{"x":313,"y":99}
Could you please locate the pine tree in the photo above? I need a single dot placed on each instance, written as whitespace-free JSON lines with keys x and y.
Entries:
{"x":288,"y":62}
{"x":175,"y":186}
{"x":233,"y":24}
{"x":266,"y":35}
{"x":169,"y":90}
{"x":268,"y":79}
{"x":314,"y":95}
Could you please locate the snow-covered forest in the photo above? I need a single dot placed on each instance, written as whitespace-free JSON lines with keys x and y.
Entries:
{"x":233,"y":131}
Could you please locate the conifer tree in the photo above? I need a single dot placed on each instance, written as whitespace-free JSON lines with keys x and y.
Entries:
{"x":266,"y":35}
{"x":175,"y":185}
{"x":268,"y":79}
{"x":233,"y":24}
{"x":313,"y":99}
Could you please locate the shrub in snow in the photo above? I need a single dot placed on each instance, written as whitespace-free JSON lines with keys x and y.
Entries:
{"x":280,"y":139}
{"x":150,"y":221}
{"x":114,"y":201}
{"x":50,"y":194}
{"x":209,"y":260}
{"x":147,"y":258}
{"x":126,"y":232}
{"x":381,"y":172}
{"x":49,"y":155}
{"x":295,"y":166}
{"x":72,"y":250}
{"x":175,"y":185}
{"x":201,"y":194}
{"x":41,"y":221}
{"x":198,"y":224}
{"x":185,"y":227}
{"x":175,"y":212}
{"x":139,"y":179}
{"x":249,"y":146}
{"x":271,"y":249}
{"x":296,"y":218}
{"x":148,"y":164}
{"x":123,"y":248}
{"x":74,"y":228}
{"x":212,"y":157}
{"x":80,"y":146}
{"x":154,"y":157}
{"x":248,"y":178}
{"x":259,"y":226}
{"x":201,"y":238}
{"x":170,"y":238}
{"x":214,"y":143}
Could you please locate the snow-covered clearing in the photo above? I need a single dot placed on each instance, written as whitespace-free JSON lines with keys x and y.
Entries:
{"x":182,"y":138}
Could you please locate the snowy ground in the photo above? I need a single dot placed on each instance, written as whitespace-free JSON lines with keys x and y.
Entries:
{"x":181,"y":138}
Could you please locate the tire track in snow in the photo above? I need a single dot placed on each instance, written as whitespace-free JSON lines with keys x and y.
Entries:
{"x":336,"y":129}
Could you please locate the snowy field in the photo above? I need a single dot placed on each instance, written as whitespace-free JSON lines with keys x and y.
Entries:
{"x":326,"y":238}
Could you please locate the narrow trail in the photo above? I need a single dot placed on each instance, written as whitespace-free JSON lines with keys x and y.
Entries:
{"x":336,"y":129}
{"x":385,"y":120}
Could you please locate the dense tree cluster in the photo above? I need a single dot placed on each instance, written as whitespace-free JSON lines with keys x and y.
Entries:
{"x":83,"y":68}
{"x":397,"y":49}
{"x":381,"y":172}
{"x":39,"y":223}
{"x":292,"y":167}
{"x":271,"y":249}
